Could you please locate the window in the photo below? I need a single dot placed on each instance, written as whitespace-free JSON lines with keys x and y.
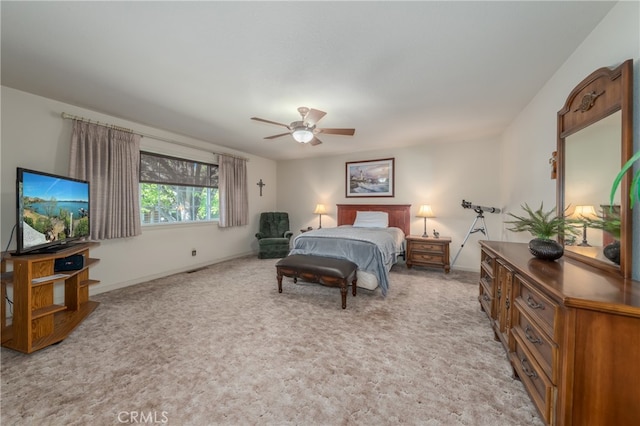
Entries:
{"x":174,"y":190}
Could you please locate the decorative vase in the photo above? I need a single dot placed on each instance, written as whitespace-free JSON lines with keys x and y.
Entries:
{"x":546,"y":249}
{"x":612,"y":252}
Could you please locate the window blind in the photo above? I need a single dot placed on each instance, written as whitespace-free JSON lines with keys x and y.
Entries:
{"x":163,"y":169}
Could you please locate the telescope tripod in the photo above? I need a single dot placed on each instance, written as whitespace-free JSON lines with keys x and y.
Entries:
{"x":473,"y":230}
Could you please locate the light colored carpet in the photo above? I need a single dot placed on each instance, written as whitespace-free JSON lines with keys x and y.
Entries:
{"x":222,"y":346}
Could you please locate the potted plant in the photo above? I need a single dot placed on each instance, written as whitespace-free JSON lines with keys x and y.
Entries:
{"x":542,"y":225}
{"x":609,"y":222}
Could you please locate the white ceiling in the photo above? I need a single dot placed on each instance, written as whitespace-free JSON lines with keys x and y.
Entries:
{"x":400,"y":73}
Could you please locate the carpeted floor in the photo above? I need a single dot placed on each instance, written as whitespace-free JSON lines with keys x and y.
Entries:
{"x":221,"y":346}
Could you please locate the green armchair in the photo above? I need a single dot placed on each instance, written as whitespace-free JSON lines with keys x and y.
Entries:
{"x":274,"y":235}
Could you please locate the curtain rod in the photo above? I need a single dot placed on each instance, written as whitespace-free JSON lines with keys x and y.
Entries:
{"x":112,"y":126}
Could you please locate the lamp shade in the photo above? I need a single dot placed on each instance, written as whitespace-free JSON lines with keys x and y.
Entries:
{"x":584,"y":212}
{"x":302,"y":134}
{"x":425,"y":211}
{"x":320,"y":209}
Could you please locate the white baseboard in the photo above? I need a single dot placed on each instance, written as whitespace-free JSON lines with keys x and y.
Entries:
{"x":465,"y":269}
{"x":100,"y":288}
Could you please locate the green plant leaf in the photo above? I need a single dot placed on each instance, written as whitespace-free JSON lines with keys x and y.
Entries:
{"x":541,"y":224}
{"x":634,"y":192}
{"x":608,"y":222}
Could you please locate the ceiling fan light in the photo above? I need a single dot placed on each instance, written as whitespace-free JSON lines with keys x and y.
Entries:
{"x":302,"y":134}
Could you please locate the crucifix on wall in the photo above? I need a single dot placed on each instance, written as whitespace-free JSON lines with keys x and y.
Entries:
{"x":261,"y":184}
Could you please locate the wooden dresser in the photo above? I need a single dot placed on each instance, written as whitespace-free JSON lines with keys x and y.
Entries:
{"x":571,"y":333}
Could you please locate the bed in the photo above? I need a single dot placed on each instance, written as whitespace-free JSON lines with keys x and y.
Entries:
{"x":373,"y":247}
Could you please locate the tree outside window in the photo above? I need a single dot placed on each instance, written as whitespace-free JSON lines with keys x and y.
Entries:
{"x":174,"y":190}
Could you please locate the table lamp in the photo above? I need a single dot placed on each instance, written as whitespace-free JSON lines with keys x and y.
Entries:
{"x":425,"y":212}
{"x":584,"y":213}
{"x":320,"y":210}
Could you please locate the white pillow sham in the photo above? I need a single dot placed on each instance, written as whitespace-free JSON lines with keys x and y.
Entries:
{"x":371,"y":220}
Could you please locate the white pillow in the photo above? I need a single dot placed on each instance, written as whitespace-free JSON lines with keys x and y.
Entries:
{"x":371,"y":220}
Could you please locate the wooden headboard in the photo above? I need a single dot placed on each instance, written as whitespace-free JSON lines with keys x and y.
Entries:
{"x":399,"y":214}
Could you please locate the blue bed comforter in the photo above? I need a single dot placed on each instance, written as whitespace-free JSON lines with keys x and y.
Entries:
{"x":374,"y":250}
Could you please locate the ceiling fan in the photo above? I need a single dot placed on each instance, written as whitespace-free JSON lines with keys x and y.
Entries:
{"x":305,"y":130}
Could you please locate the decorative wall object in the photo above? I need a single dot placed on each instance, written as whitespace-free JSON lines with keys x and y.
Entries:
{"x":261,"y":184}
{"x":553,"y":161}
{"x":374,"y":178}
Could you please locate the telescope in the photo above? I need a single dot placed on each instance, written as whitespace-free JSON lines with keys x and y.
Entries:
{"x":479,"y":209}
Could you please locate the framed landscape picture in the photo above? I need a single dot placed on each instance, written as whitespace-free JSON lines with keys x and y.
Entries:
{"x":374,"y":178}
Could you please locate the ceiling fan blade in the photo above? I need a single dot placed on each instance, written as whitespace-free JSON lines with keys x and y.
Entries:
{"x":347,"y":132}
{"x":270,"y":122}
{"x":277,"y":136}
{"x":315,"y":141}
{"x":313,"y":116}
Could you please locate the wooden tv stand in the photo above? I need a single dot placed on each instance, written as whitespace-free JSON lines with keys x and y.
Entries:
{"x":37,"y":321}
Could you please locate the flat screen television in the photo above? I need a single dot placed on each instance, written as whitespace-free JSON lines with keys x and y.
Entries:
{"x":52,"y":211}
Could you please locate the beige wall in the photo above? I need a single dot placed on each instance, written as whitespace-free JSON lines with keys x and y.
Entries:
{"x":36,"y":137}
{"x":441,"y":174}
{"x":528,"y":143}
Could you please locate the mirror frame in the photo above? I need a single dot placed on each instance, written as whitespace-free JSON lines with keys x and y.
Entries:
{"x":602,"y":93}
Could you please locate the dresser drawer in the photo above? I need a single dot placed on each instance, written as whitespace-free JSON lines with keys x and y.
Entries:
{"x":539,"y":307}
{"x":544,"y":350}
{"x":487,"y":281}
{"x":535,"y":381}
{"x":487,"y":262}
{"x":486,"y":301}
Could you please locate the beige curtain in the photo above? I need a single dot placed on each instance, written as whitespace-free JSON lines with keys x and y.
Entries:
{"x":232,"y":190}
{"x":110,"y":160}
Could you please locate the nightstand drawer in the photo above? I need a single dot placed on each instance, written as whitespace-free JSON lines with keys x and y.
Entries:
{"x":427,"y":257}
{"x":422,"y":246}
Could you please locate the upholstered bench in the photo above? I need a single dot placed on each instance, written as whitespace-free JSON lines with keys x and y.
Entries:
{"x":324,"y":270}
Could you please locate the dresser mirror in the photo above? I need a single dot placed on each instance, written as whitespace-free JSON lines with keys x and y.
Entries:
{"x":594,"y":141}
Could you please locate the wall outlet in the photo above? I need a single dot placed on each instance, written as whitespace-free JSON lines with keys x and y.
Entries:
{"x":193,"y":252}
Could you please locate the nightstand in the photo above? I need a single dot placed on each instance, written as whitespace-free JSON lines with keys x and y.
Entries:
{"x":427,"y":251}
